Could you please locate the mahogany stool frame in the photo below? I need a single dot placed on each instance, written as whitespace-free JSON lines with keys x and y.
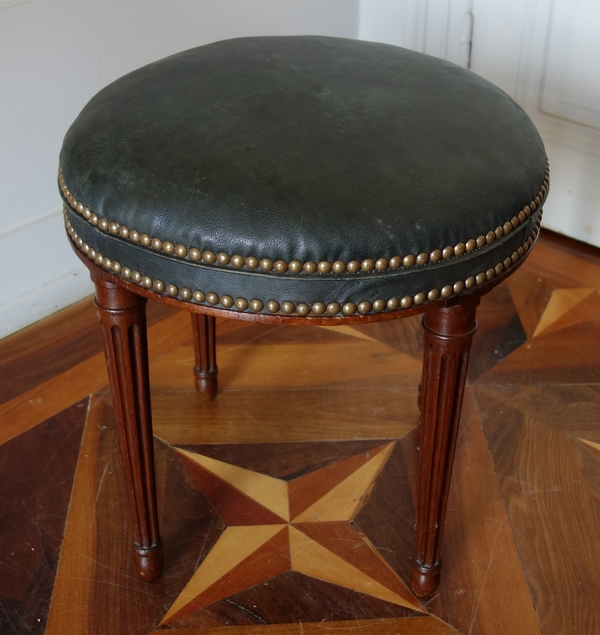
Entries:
{"x":448,"y":324}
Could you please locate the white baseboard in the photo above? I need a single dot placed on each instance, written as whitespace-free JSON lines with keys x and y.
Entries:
{"x":41,"y":302}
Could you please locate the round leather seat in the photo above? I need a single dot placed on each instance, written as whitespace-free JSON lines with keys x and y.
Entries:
{"x":303,"y":176}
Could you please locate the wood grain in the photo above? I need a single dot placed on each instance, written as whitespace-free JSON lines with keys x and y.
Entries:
{"x":485,"y":591}
{"x":344,"y":498}
{"x":555,"y":522}
{"x":295,"y":365}
{"x":315,"y":560}
{"x":403,"y":626}
{"x":572,"y":352}
{"x":569,"y":408}
{"x":577,"y":270}
{"x":234,"y":506}
{"x":254,"y":416}
{"x":74,"y":580}
{"x":64,"y":340}
{"x":568,"y":307}
{"x":60,"y":391}
{"x":269,"y":492}
{"x":242,"y":557}
{"x":307,"y":490}
{"x":36,"y":477}
{"x":348,"y":544}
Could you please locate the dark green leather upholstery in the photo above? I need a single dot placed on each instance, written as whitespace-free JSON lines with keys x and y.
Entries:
{"x":300,"y":151}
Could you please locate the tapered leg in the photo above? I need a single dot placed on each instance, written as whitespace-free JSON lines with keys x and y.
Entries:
{"x":205,"y":346}
{"x":123,"y":319}
{"x":448,"y":332}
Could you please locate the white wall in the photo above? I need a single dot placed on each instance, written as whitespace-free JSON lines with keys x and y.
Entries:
{"x":54,"y":56}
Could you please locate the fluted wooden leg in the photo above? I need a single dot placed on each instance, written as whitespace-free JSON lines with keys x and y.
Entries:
{"x":123,"y":319}
{"x":448,"y":332}
{"x":205,"y":346}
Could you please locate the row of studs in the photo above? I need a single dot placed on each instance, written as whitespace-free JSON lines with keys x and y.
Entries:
{"x":288,"y":308}
{"x":295,"y":266}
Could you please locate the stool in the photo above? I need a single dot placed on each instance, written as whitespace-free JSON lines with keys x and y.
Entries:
{"x":299,"y":180}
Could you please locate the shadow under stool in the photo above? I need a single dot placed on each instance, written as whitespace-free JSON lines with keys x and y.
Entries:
{"x":299,"y":180}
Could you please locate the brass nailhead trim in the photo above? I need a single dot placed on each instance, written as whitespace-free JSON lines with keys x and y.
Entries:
{"x":309,"y":268}
{"x":302,"y":309}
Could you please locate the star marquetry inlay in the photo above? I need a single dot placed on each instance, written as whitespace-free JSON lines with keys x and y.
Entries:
{"x":303,"y":525}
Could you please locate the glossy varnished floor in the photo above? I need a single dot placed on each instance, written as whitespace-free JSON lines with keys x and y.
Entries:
{"x":313,"y":440}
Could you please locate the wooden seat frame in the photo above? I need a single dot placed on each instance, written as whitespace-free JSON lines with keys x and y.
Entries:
{"x":449,"y":326}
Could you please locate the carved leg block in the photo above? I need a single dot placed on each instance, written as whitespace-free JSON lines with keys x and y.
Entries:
{"x":448,"y":332}
{"x":123,"y":318}
{"x":205,"y":347}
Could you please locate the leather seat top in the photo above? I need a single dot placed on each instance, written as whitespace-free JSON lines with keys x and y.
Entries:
{"x":304,"y":172}
{"x":304,"y":148}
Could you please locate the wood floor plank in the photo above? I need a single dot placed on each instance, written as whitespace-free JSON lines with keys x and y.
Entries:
{"x":54,"y":345}
{"x":243,"y":556}
{"x":571,"y":266}
{"x":569,"y":408}
{"x":530,"y":293}
{"x":346,"y":542}
{"x":565,"y":244}
{"x":97,"y":590}
{"x":571,"y":355}
{"x":483,"y":588}
{"x":233,"y":505}
{"x":499,"y":332}
{"x":562,"y":302}
{"x":403,"y":626}
{"x":342,"y":500}
{"x":593,"y":447}
{"x":553,"y":515}
{"x":300,"y":415}
{"x":306,"y":490}
{"x":313,"y":559}
{"x":36,"y":477}
{"x":74,"y":579}
{"x":295,"y":365}
{"x":404,"y":335}
{"x":60,"y":391}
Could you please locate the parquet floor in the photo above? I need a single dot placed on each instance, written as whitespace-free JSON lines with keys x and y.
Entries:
{"x":321,"y":422}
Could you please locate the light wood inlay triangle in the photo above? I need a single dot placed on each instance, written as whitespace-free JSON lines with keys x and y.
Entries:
{"x":592,"y":446}
{"x":313,"y":559}
{"x":235,"y":545}
{"x":270,"y":492}
{"x":341,"y":502}
{"x":349,"y":330}
{"x":306,"y":490}
{"x":347,"y":543}
{"x":562,"y":302}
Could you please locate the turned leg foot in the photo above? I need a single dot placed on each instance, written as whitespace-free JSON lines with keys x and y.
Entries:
{"x":205,"y":347}
{"x":448,"y":332}
{"x":123,"y":319}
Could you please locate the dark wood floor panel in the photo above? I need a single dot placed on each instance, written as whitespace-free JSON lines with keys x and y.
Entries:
{"x":62,"y":390}
{"x":570,"y":408}
{"x":556,"y":525}
{"x":499,"y":332}
{"x":50,"y":347}
{"x":485,"y":589}
{"x":36,"y":476}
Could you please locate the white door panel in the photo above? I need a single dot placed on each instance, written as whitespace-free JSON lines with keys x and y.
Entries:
{"x":571,"y":87}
